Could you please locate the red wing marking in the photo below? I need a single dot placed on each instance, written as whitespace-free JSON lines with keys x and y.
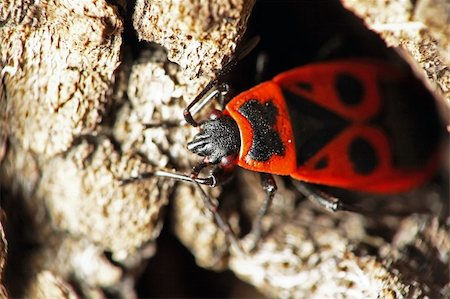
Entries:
{"x":359,"y":159}
{"x":349,"y":89}
{"x":371,"y":122}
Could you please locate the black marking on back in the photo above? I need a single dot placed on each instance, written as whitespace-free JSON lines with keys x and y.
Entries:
{"x":266,"y":140}
{"x":408,"y":116}
{"x":313,"y":126}
{"x":349,"y":89}
{"x":363,"y":156}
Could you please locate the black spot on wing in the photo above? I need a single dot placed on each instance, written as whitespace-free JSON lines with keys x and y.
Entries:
{"x":349,"y":89}
{"x":266,"y":140}
{"x":363,"y":156}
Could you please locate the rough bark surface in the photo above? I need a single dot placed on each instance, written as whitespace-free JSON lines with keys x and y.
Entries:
{"x":422,"y":30}
{"x":84,"y":105}
{"x":197,"y":35}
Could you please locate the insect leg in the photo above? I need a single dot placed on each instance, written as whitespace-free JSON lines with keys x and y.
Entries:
{"x":262,"y":62}
{"x":325,"y":200}
{"x":164,"y":125}
{"x":218,"y":176}
{"x":223,"y":225}
{"x":203,"y":98}
{"x":213,"y":89}
{"x":222,"y":97}
{"x":270,"y":187}
{"x":210,"y":204}
{"x":208,"y":181}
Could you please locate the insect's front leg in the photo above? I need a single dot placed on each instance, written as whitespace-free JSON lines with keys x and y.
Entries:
{"x":218,"y":175}
{"x":212,"y":91}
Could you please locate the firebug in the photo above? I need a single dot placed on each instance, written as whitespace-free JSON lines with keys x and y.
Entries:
{"x":358,"y":124}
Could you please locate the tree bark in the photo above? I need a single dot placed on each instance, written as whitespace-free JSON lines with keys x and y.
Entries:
{"x":92,"y":93}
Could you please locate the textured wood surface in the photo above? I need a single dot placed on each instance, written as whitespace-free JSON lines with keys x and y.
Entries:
{"x":90,"y":93}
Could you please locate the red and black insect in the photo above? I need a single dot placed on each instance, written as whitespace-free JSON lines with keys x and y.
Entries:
{"x":366,"y":140}
{"x":356,"y":124}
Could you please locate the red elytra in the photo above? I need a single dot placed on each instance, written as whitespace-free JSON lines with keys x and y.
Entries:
{"x":366,"y":106}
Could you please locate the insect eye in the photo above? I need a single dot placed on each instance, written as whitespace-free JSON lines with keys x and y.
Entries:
{"x":215,"y":114}
{"x":228,"y":162}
